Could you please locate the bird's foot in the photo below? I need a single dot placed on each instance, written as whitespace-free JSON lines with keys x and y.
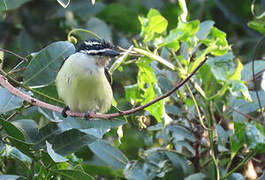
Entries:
{"x":88,"y":114}
{"x":66,"y":108}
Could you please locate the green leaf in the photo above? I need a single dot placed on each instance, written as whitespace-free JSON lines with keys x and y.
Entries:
{"x":216,"y":42}
{"x":197,"y":176}
{"x":29,"y":128}
{"x":15,"y":153}
{"x":100,"y":170}
{"x":156,"y":109}
{"x":236,"y":176}
{"x":3,"y":9}
{"x":9,"y":177}
{"x":132,"y":94}
{"x":73,"y":174}
{"x":205,"y":28}
{"x":255,"y":136}
{"x":81,"y":9}
{"x":237,"y":141}
{"x":14,"y":4}
{"x":237,"y":74}
{"x":120,"y":17}
{"x":184,"y":32}
{"x":109,"y":154}
{"x":64,"y":3}
{"x":138,"y":170}
{"x":12,"y":130}
{"x":258,"y":25}
{"x":179,"y":163}
{"x":55,"y":157}
{"x":154,"y":23}
{"x":179,"y":133}
{"x":242,"y":105}
{"x":247,"y":69}
{"x":48,"y":94}
{"x":43,"y":68}
{"x":99,"y":27}
{"x":66,"y":142}
{"x":21,"y":146}
{"x":8,"y":101}
{"x":222,"y":67}
{"x":239,"y":89}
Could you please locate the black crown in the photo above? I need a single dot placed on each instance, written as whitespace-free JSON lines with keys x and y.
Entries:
{"x":94,"y":44}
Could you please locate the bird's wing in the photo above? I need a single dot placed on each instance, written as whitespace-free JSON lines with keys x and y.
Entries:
{"x":108,"y":76}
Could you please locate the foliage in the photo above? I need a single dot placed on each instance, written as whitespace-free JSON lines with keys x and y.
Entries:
{"x":209,"y":129}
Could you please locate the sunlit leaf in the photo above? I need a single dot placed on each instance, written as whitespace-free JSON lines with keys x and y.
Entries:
{"x":237,"y":74}
{"x":258,"y":25}
{"x":154,"y":23}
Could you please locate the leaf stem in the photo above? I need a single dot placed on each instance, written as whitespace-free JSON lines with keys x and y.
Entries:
{"x":211,"y":132}
{"x":156,"y":57}
{"x":81,"y":30}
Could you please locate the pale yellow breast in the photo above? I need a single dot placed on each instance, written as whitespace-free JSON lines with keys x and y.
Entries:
{"x":83,"y":86}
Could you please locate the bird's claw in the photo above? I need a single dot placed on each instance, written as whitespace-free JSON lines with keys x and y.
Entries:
{"x":66,"y":108}
{"x":88,"y":115}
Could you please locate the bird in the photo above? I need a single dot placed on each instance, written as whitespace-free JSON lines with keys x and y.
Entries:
{"x":83,"y":81}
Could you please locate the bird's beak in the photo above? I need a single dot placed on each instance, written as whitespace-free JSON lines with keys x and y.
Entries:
{"x":112,"y":53}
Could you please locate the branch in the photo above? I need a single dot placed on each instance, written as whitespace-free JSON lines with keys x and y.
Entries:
{"x":4,"y":82}
{"x":36,"y":102}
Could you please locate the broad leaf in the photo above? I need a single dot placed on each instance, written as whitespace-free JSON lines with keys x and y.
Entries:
{"x":13,"y":4}
{"x":29,"y":129}
{"x":12,"y":130}
{"x":55,"y":157}
{"x":205,"y":28}
{"x":73,"y":174}
{"x":15,"y":153}
{"x":10,"y":177}
{"x":109,"y":154}
{"x":66,"y":142}
{"x":43,"y":68}
{"x":8,"y":101}
{"x":197,"y":176}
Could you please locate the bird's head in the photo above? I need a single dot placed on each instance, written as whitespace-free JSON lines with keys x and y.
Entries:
{"x":101,"y":49}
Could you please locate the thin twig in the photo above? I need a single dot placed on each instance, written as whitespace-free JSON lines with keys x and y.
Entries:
{"x":253,"y":74}
{"x":7,"y":51}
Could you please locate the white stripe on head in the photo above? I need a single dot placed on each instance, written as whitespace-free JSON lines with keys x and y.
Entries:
{"x":91,"y":43}
{"x":95,"y":51}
